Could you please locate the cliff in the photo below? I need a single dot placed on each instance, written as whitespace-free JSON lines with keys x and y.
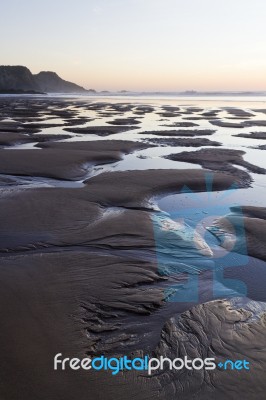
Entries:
{"x":19,"y":79}
{"x":50,"y":82}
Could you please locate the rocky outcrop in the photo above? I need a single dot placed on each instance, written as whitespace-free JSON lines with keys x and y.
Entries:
{"x":19,"y":79}
{"x":50,"y":82}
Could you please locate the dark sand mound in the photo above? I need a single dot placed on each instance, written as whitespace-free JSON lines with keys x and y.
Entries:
{"x":143,"y":109}
{"x":49,"y":137}
{"x":215,"y":329}
{"x":67,"y":164}
{"x":218,"y":160}
{"x":259,"y":110}
{"x":253,"y":241}
{"x":42,"y":218}
{"x":140,"y":185}
{"x":181,"y":124}
{"x":169,"y":114}
{"x":100,"y":130}
{"x":170,"y":108}
{"x":71,"y":217}
{"x":184,"y":142}
{"x":169,"y":111}
{"x":255,"y":123}
{"x":77,"y":121}
{"x":41,"y":125}
{"x":52,"y":163}
{"x":124,"y":121}
{"x":210,"y":114}
{"x":194,"y":118}
{"x":253,"y":135}
{"x":226,"y":124}
{"x":121,"y":107}
{"x":194,"y":109}
{"x":12,"y":138}
{"x":16,"y":127}
{"x":243,"y":124}
{"x":180,"y":132}
{"x":97,"y":106}
{"x":124,"y":146}
{"x":252,"y":212}
{"x":238,"y":112}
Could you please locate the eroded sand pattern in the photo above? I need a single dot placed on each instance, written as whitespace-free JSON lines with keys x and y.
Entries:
{"x":95,"y":255}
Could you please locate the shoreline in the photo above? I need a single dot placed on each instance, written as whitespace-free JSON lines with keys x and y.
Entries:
{"x":91,"y":270}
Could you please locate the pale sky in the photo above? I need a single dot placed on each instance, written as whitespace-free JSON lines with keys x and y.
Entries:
{"x":139,"y":44}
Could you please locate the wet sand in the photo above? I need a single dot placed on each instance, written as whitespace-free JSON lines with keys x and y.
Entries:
{"x":79,"y":267}
{"x":181,"y":132}
{"x":254,"y":237}
{"x":13,"y":138}
{"x":218,"y":160}
{"x":100,"y":130}
{"x":184,"y":142}
{"x":253,"y":135}
{"x":74,"y":290}
{"x":70,"y":164}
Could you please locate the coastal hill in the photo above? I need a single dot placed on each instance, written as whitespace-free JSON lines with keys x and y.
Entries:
{"x":51,"y":82}
{"x":19,"y":79}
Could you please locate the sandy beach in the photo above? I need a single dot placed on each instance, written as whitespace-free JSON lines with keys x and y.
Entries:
{"x":94,"y":252}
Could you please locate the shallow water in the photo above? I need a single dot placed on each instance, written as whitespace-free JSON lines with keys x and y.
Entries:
{"x":153,"y":158}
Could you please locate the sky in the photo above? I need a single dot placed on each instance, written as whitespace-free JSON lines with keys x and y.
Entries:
{"x":147,"y":45}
